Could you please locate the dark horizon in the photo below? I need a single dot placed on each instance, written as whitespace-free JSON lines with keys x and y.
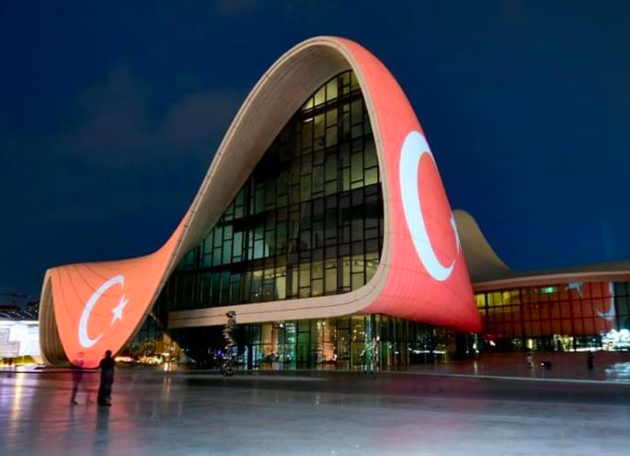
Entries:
{"x":110,"y":117}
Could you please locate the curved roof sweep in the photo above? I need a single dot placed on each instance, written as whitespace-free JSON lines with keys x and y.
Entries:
{"x":489,"y":272}
{"x":483,"y":262}
{"x":90,"y":307}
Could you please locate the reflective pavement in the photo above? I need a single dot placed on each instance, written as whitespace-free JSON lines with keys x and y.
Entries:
{"x":608,"y":366}
{"x":154,"y":413}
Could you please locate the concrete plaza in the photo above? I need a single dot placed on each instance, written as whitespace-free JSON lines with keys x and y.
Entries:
{"x":156,"y":413}
{"x":608,"y":367}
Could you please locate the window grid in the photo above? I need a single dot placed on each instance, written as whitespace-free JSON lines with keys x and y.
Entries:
{"x":578,"y":312}
{"x":309,"y":220}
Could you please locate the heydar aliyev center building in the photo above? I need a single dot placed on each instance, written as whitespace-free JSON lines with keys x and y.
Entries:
{"x":324,"y":225}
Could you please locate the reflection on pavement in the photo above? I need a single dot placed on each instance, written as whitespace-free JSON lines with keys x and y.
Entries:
{"x":156,"y":413}
{"x":619,"y":372}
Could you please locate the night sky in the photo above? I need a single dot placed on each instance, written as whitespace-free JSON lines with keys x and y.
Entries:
{"x":110,"y":114}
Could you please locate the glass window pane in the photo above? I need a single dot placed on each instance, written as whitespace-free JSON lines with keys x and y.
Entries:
{"x":331,"y":280}
{"x":331,"y":90}
{"x":320,"y":96}
{"x":307,"y":133}
{"x":331,"y":117}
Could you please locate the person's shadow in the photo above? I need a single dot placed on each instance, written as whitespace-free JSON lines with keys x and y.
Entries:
{"x":101,"y":430}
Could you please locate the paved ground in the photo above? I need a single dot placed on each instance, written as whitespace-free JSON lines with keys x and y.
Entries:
{"x":328,"y":414}
{"x":608,"y":366}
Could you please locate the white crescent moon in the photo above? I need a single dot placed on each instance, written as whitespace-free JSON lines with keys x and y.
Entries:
{"x":84,"y":339}
{"x":414,"y":147}
{"x":610,"y":315}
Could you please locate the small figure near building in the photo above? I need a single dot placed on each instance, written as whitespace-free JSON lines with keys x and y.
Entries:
{"x":107,"y":366}
{"x":590,"y":360}
{"x":530,"y":360}
{"x":77,"y":377}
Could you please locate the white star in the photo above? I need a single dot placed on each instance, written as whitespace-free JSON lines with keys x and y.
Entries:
{"x":118,"y":310}
{"x":454,"y":225}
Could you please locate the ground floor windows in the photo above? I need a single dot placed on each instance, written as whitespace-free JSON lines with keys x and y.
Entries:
{"x":360,"y":342}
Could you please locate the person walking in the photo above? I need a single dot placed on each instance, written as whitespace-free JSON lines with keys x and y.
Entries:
{"x":77,"y":377}
{"x":106,"y":365}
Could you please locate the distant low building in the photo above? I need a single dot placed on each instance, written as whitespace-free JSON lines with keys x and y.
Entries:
{"x":15,"y":312}
{"x":19,"y":332}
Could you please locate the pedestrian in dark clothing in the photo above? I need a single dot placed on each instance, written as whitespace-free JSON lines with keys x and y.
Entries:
{"x":106,"y":365}
{"x":590,"y":360}
{"x":77,"y":377}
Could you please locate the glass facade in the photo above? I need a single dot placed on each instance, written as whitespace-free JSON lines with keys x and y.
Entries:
{"x":359,"y":342}
{"x":308,"y":222}
{"x":150,"y":345}
{"x":563,"y":317}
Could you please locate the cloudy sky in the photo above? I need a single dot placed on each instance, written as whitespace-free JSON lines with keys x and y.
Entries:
{"x":110,"y":113}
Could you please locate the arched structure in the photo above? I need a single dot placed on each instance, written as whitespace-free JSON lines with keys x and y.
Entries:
{"x":422,"y":276}
{"x":483,"y":263}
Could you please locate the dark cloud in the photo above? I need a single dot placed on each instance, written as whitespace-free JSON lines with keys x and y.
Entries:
{"x":119,"y":124}
{"x":194,"y":120}
{"x":120,"y":159}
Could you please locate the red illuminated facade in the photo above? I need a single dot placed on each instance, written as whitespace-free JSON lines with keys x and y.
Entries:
{"x":421,"y":276}
{"x":324,"y":224}
{"x":568,"y":309}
